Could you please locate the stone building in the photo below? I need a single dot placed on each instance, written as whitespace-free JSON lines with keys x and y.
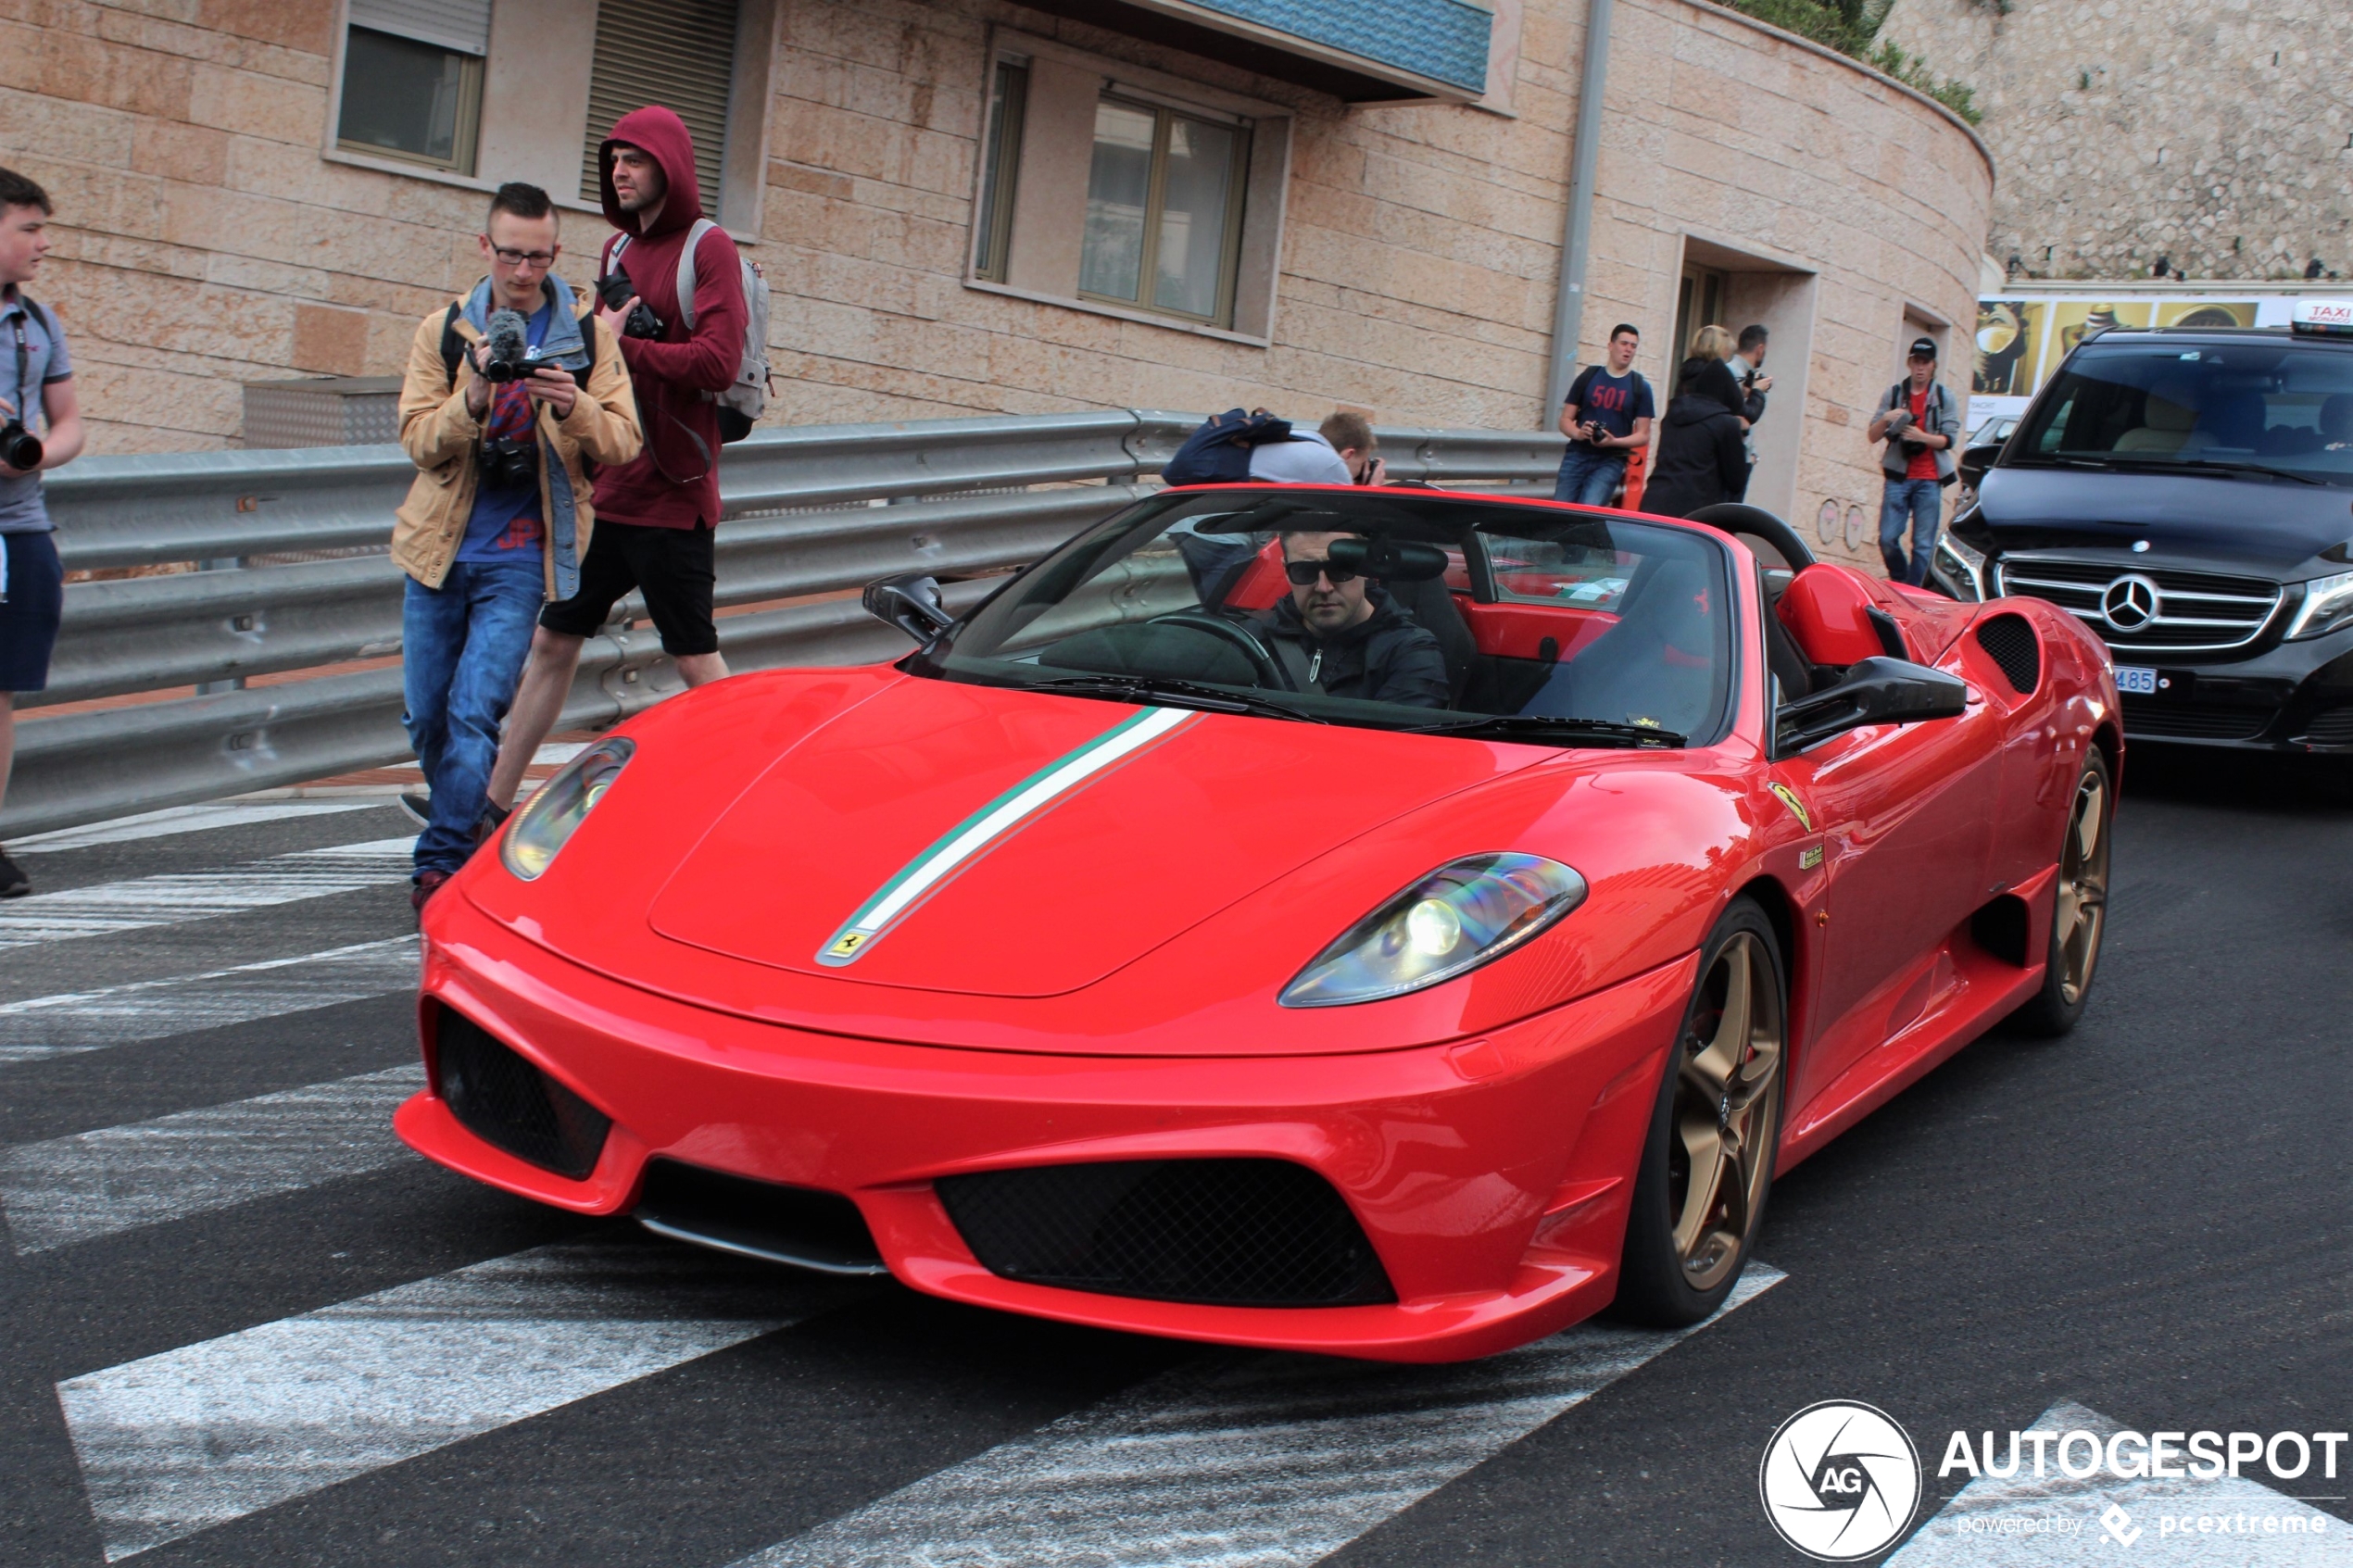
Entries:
{"x":2216,"y":139}
{"x":972,"y":206}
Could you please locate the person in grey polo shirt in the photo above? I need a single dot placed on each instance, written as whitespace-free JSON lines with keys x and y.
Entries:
{"x":37,"y":393}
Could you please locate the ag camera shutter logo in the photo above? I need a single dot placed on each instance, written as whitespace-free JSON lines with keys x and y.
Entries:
{"x":1840,"y":1481}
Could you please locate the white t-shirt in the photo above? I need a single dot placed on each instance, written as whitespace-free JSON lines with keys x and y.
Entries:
{"x":1305,"y":459}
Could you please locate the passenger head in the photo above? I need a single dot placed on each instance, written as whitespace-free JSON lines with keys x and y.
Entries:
{"x":1351,"y":436}
{"x":1328,"y":601}
{"x":1712,"y":341}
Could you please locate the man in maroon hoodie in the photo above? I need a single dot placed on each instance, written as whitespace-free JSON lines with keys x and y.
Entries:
{"x":654,"y":516}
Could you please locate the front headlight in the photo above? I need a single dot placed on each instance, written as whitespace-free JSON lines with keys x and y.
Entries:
{"x":2328,"y":601}
{"x":1967,"y":566}
{"x":549,"y":819}
{"x":1451,"y":922}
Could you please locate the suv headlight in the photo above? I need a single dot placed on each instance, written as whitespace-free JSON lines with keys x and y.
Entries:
{"x":549,"y":819}
{"x":1967,"y":565}
{"x":1458,"y":917}
{"x":2328,"y":602}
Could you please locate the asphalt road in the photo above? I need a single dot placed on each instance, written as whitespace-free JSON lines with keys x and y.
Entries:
{"x":244,"y":1326}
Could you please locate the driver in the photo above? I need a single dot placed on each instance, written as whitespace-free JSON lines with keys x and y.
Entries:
{"x":1340,"y":635}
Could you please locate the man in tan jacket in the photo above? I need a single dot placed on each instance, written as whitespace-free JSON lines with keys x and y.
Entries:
{"x":498,"y":518}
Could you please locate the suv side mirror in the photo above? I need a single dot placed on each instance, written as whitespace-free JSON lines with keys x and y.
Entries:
{"x":912,"y":604}
{"x":1976,"y":459}
{"x":1876,"y":691}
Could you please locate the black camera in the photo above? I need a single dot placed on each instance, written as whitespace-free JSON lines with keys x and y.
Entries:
{"x":510,"y":465}
{"x":616,"y":290}
{"x":506,"y":347}
{"x":20,"y":448}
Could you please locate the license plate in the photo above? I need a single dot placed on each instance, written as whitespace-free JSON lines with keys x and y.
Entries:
{"x":2136,"y":679}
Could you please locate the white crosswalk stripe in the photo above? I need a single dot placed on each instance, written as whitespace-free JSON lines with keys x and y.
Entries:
{"x":77,"y":1188}
{"x":186,"y":819}
{"x":111,"y":908}
{"x":69,"y":1021}
{"x":1257,"y":1462}
{"x":190,"y":1438}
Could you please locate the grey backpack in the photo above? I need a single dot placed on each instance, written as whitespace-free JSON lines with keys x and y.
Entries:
{"x":741,"y":404}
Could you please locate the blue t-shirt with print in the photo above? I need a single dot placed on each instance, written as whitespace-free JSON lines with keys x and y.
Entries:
{"x":507,"y":522}
{"x":45,"y":364}
{"x":1612,"y":402}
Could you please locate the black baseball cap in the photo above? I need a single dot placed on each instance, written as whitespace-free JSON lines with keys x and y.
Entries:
{"x":1922,"y":349}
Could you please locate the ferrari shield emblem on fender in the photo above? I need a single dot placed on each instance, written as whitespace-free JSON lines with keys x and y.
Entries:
{"x":1797,"y":807}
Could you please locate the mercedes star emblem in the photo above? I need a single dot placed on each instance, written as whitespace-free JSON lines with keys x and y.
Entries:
{"x":2130,"y":603}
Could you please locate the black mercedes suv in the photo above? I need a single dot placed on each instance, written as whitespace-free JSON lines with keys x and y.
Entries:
{"x":2188,"y":493}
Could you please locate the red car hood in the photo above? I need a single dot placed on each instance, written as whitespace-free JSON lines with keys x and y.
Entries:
{"x":958,"y":838}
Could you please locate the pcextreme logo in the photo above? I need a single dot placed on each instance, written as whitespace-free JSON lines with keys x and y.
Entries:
{"x":1840,"y":1481}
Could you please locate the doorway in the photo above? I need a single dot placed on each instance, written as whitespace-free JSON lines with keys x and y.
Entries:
{"x":1698,"y":301}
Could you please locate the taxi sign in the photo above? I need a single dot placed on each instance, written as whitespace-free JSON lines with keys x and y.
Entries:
{"x":2331,"y":318}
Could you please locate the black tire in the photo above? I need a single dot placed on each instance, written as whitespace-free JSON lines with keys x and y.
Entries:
{"x":2072,"y":961}
{"x":1682,"y":1258}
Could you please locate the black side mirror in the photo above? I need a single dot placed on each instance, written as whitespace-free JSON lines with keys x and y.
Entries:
{"x":1976,"y":459}
{"x":912,"y":604}
{"x":1876,"y":691}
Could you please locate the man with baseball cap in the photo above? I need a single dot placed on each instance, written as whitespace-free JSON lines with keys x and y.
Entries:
{"x":1922,"y":425}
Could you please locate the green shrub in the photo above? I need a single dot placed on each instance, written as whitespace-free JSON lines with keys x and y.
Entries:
{"x":1852,"y":27}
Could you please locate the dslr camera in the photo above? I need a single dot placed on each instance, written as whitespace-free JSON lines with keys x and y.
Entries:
{"x":506,"y":347}
{"x":615,"y":289}
{"x":20,"y":448}
{"x":510,"y":465}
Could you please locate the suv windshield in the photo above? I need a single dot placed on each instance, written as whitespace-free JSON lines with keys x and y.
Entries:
{"x":2261,"y":411}
{"x":1381,"y":608}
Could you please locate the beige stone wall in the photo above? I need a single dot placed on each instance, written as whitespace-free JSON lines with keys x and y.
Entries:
{"x":205,"y":242}
{"x":2219,"y":136}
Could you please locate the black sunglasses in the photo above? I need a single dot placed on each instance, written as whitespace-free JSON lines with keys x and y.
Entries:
{"x":1304,"y":573}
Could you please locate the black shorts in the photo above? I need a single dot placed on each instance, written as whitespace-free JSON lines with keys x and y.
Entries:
{"x":29,"y":619}
{"x":672,"y":567}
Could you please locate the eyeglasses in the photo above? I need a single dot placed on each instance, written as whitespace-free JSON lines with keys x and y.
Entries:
{"x":517,"y":257}
{"x":1304,"y":573}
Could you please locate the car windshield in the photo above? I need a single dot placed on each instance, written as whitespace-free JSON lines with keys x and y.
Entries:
{"x":1382,"y":609}
{"x":2259,"y":411}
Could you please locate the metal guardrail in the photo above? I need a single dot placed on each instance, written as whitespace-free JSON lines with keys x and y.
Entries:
{"x":812,"y":514}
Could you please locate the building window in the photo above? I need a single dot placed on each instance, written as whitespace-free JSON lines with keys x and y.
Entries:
{"x":1001,"y":170}
{"x":680,"y":54}
{"x":412,"y":80}
{"x":1163,"y":210}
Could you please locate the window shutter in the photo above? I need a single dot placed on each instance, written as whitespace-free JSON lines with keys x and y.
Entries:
{"x":679,"y":53}
{"x":462,"y":25}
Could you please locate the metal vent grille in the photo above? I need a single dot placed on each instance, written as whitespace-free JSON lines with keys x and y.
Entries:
{"x":2169,"y":611}
{"x":506,"y":1102}
{"x":2332,"y":726}
{"x":679,"y":53}
{"x":2193,"y":721}
{"x":2011,"y":643}
{"x":1236,"y":1233}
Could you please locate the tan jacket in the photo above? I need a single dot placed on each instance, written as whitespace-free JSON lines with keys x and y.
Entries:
{"x":444,"y":440}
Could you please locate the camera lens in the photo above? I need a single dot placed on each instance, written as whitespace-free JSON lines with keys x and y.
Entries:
{"x":19,"y":447}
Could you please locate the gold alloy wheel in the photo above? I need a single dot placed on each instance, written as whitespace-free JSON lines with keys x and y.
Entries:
{"x":1727,"y":1112}
{"x":2082,"y":890}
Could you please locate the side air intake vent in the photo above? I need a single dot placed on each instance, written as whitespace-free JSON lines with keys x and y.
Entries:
{"x":1233,"y":1233}
{"x":506,"y":1101}
{"x":2011,"y":643}
{"x":785,"y":1224}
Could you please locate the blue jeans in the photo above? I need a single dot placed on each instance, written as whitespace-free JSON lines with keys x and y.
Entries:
{"x":461,"y":650}
{"x":1588,"y":477}
{"x":1922,"y":502}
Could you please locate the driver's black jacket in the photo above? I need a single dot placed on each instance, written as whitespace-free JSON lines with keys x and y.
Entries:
{"x":1388,"y":657}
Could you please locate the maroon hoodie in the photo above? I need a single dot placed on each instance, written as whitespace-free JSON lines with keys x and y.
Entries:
{"x":674,"y":483}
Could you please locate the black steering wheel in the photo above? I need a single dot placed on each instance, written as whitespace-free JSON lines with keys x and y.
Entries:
{"x":1739,"y":518}
{"x":1266,"y":670}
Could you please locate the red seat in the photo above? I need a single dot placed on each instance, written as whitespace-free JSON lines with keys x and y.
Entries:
{"x":1826,"y":610}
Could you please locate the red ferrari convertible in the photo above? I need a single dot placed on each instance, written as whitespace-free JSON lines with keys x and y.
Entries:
{"x":1382,"y":922}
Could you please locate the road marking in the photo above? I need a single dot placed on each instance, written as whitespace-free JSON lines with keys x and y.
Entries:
{"x":2054,"y":1521}
{"x":168,"y":899}
{"x":41,"y":1027}
{"x":1263,"y":1460}
{"x":88,"y":1184}
{"x":194,"y":1437}
{"x":187,"y":819}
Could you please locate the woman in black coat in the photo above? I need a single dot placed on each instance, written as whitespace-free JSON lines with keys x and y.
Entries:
{"x":1701,"y":457}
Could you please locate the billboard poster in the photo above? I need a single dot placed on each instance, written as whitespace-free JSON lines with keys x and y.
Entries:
{"x":2009,"y":344}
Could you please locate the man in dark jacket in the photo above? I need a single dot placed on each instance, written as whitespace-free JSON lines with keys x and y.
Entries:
{"x":1702,"y":458}
{"x":655,"y":517}
{"x":1339,"y":635}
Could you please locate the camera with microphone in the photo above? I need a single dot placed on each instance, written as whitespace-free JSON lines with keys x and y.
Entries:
{"x":506,"y":347}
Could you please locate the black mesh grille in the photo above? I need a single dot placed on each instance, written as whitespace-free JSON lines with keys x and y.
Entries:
{"x":1234,"y":1232}
{"x":2330,"y":726}
{"x":2193,"y":721}
{"x":505,"y":1100}
{"x":2011,"y":643}
{"x":816,"y":1230}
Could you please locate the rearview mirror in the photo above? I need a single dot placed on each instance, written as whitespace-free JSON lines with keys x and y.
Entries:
{"x":1876,"y":691}
{"x":912,"y":604}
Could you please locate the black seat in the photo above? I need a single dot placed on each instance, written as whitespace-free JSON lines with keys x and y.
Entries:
{"x":1429,"y":604}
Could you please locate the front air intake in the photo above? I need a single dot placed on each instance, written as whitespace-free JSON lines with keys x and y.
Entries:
{"x":2011,"y":643}
{"x":506,"y":1102}
{"x":785,"y":1224}
{"x":1229,"y":1232}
